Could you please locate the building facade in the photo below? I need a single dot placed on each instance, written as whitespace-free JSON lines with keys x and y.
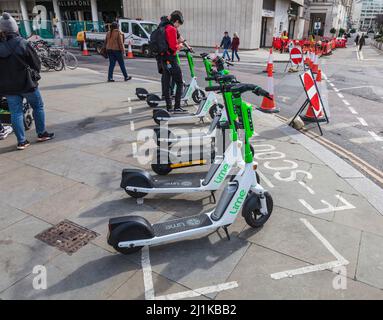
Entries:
{"x":364,"y":13}
{"x":256,"y":21}
{"x":328,"y":14}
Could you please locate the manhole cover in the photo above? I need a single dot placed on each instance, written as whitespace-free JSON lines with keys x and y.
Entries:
{"x":67,"y":236}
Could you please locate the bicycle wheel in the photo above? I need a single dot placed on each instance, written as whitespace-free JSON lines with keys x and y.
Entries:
{"x":59,"y":64}
{"x":70,"y":60}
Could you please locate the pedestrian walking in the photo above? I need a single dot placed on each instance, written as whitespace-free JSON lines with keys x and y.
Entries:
{"x":19,"y":75}
{"x":114,"y":43}
{"x":235,"y":46}
{"x":357,"y":39}
{"x":284,"y":40}
{"x":362,"y":41}
{"x":226,"y":44}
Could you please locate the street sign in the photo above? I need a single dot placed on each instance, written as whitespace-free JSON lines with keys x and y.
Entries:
{"x":296,"y":56}
{"x":312,"y":92}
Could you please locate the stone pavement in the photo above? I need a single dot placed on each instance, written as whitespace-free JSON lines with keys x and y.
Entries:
{"x":323,"y":221}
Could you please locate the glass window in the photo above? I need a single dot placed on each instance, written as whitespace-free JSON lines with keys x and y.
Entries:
{"x":137,"y":31}
{"x":125,"y":27}
{"x":149,"y":27}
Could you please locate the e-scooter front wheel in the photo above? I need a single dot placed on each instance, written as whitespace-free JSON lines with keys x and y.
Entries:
{"x":198,"y":95}
{"x":153,"y":100}
{"x":251,"y":210}
{"x":160,"y":115}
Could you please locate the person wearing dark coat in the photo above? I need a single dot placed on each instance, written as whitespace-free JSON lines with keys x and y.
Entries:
{"x":362,"y":42}
{"x":234,"y":47}
{"x":17,"y":58}
{"x":226,"y":44}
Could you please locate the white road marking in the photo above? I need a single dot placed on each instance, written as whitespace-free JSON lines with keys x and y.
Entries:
{"x":351,"y":88}
{"x":361,"y":55}
{"x":199,"y":292}
{"x":340,"y":260}
{"x":130,"y":110}
{"x":362,"y":121}
{"x":329,"y":207}
{"x":134,"y":149}
{"x":352,"y":110}
{"x":346,"y":102}
{"x":304,"y":185}
{"x":147,"y":271}
{"x":335,"y":89}
{"x":362,"y":140}
{"x":357,"y":54}
{"x":331,"y":84}
{"x":131,"y":125}
{"x":340,"y":95}
{"x":375,"y":136}
{"x":324,"y":76}
{"x":265,"y":179}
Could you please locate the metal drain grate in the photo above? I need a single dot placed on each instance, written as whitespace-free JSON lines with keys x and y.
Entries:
{"x":67,"y":236}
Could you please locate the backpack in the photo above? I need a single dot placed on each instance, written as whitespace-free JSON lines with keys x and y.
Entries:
{"x":158,"y":44}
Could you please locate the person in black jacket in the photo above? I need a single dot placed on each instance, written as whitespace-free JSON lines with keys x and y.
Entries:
{"x":16,"y":55}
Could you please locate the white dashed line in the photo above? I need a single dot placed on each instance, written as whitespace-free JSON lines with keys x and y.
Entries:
{"x":304,"y":185}
{"x":132,"y":125}
{"x":331,"y":84}
{"x":375,"y":136}
{"x":352,"y":110}
{"x":346,"y":102}
{"x":264,"y":179}
{"x":147,"y":272}
{"x":340,"y":95}
{"x":335,"y":89}
{"x":362,"y":121}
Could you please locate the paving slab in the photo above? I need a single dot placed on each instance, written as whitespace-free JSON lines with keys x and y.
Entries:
{"x":253,"y":276}
{"x":134,"y":289}
{"x":370,"y":265}
{"x":81,"y":167}
{"x":9,"y":215}
{"x":21,"y":252}
{"x":284,"y":232}
{"x":90,"y":273}
{"x":27,"y":185}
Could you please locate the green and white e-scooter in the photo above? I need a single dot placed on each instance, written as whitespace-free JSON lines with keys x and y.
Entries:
{"x":191,"y":91}
{"x":207,"y":106}
{"x":138,"y":183}
{"x":129,"y":234}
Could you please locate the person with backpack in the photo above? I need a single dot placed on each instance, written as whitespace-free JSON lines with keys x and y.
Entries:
{"x":165,"y":42}
{"x":19,"y":76}
{"x":114,"y":43}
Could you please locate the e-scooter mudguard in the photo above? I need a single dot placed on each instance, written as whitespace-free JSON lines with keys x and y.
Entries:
{"x":129,"y":228}
{"x":141,"y":93}
{"x":136,"y":178}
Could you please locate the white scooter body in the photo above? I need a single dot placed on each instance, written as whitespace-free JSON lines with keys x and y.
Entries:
{"x":186,"y":98}
{"x":225,"y":213}
{"x":215,"y":176}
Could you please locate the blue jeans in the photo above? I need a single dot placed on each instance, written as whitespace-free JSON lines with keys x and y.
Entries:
{"x":226,"y":53}
{"x":116,"y":56}
{"x":15,"y":105}
{"x":236,"y":54}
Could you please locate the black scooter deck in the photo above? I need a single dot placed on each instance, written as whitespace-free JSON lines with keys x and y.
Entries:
{"x":182,"y":224}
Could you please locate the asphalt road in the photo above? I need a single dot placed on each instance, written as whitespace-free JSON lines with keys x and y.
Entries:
{"x":352,"y":91}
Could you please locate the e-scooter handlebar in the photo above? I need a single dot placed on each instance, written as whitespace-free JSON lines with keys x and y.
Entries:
{"x":213,"y":88}
{"x":260,"y":92}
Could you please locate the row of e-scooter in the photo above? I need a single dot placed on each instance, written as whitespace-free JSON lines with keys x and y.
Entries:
{"x":232,"y":170}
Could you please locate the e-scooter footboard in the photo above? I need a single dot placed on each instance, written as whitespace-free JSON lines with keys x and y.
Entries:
{"x":181,"y":225}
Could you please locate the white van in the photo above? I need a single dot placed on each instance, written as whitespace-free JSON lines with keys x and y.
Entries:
{"x":138,"y":31}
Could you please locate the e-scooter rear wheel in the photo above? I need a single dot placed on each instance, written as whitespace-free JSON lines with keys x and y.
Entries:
{"x":141,"y":93}
{"x":251,"y":210}
{"x":214,"y":109}
{"x":138,"y":182}
{"x":198,"y":95}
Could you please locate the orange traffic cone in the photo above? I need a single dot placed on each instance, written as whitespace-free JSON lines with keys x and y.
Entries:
{"x":314,"y":69}
{"x":85,"y":51}
{"x":269,"y":65}
{"x":311,"y":59}
{"x":130,"y":52}
{"x":268,"y":105}
{"x":309,"y":116}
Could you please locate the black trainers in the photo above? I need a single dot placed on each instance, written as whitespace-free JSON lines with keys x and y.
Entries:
{"x":169,"y":108}
{"x":45,"y":137}
{"x":110,"y":80}
{"x":23,"y":145}
{"x":128,"y":78}
{"x":179,"y":109}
